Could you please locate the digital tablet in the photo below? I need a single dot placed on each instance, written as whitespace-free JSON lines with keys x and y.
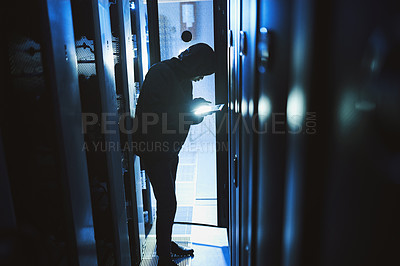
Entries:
{"x":208,"y":109}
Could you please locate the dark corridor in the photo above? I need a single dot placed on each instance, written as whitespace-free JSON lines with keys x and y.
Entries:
{"x":307,"y":146}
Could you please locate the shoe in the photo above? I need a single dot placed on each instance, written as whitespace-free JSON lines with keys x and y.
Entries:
{"x":165,"y":261}
{"x":178,"y":251}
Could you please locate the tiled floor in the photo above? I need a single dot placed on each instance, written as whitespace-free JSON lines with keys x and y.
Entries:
{"x":196,"y":187}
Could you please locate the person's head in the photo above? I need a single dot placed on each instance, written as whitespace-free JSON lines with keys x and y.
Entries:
{"x":198,"y":61}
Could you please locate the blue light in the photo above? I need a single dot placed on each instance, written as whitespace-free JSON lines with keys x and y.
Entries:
{"x":296,"y":108}
{"x":132,"y":5}
{"x":264,"y":108}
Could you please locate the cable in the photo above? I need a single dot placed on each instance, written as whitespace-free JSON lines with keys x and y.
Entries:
{"x":199,"y":224}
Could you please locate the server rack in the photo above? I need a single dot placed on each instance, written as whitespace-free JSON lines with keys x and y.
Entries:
{"x":324,"y":188}
{"x":126,"y":93}
{"x":51,"y":191}
{"x":221,"y":96}
{"x":273,"y":81}
{"x":140,"y":28}
{"x":106,"y":79}
{"x":104,"y":106}
{"x":248,"y":142}
{"x":234,"y":129}
{"x":8,"y":223}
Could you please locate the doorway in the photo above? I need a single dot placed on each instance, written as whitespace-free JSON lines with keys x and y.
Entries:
{"x":182,"y":24}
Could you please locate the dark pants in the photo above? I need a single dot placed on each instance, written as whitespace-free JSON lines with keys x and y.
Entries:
{"x":162,"y":174}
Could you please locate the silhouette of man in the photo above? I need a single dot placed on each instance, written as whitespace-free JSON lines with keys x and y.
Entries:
{"x":164,"y":114}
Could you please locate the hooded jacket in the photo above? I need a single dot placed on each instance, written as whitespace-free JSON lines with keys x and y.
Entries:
{"x":164,"y":109}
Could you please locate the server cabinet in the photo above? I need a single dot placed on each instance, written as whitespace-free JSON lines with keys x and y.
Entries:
{"x":142,"y":39}
{"x":61,"y":59}
{"x":95,"y":50}
{"x":273,"y":81}
{"x":221,"y":96}
{"x":126,"y":97}
{"x":341,"y":193}
{"x":142,"y":61}
{"x":248,"y":142}
{"x":242,"y":88}
{"x":8,"y":222}
{"x":299,"y":91}
{"x":363,"y":89}
{"x":234,"y":129}
{"x":323,"y":184}
{"x":108,"y":97}
{"x":43,"y":141}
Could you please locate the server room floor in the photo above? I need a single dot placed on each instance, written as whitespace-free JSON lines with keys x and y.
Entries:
{"x":210,"y":247}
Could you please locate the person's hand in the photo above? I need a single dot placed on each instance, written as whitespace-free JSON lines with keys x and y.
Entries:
{"x":198,"y":103}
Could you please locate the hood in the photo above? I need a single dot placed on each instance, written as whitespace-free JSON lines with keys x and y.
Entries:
{"x":198,"y":60}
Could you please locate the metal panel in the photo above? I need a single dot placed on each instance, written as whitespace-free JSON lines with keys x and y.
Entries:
{"x":62,"y":67}
{"x":360,"y":209}
{"x":142,"y":40}
{"x":221,"y":96}
{"x":154,"y":32}
{"x":299,"y":87}
{"x":248,"y":142}
{"x":134,"y":187}
{"x":139,"y":202}
{"x":342,"y":192}
{"x":234,"y":132}
{"x":273,"y":47}
{"x":105,"y":72}
{"x":8,"y":220}
{"x":126,"y":54}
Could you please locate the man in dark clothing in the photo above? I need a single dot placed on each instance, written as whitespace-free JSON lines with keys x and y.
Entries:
{"x":164,"y":114}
